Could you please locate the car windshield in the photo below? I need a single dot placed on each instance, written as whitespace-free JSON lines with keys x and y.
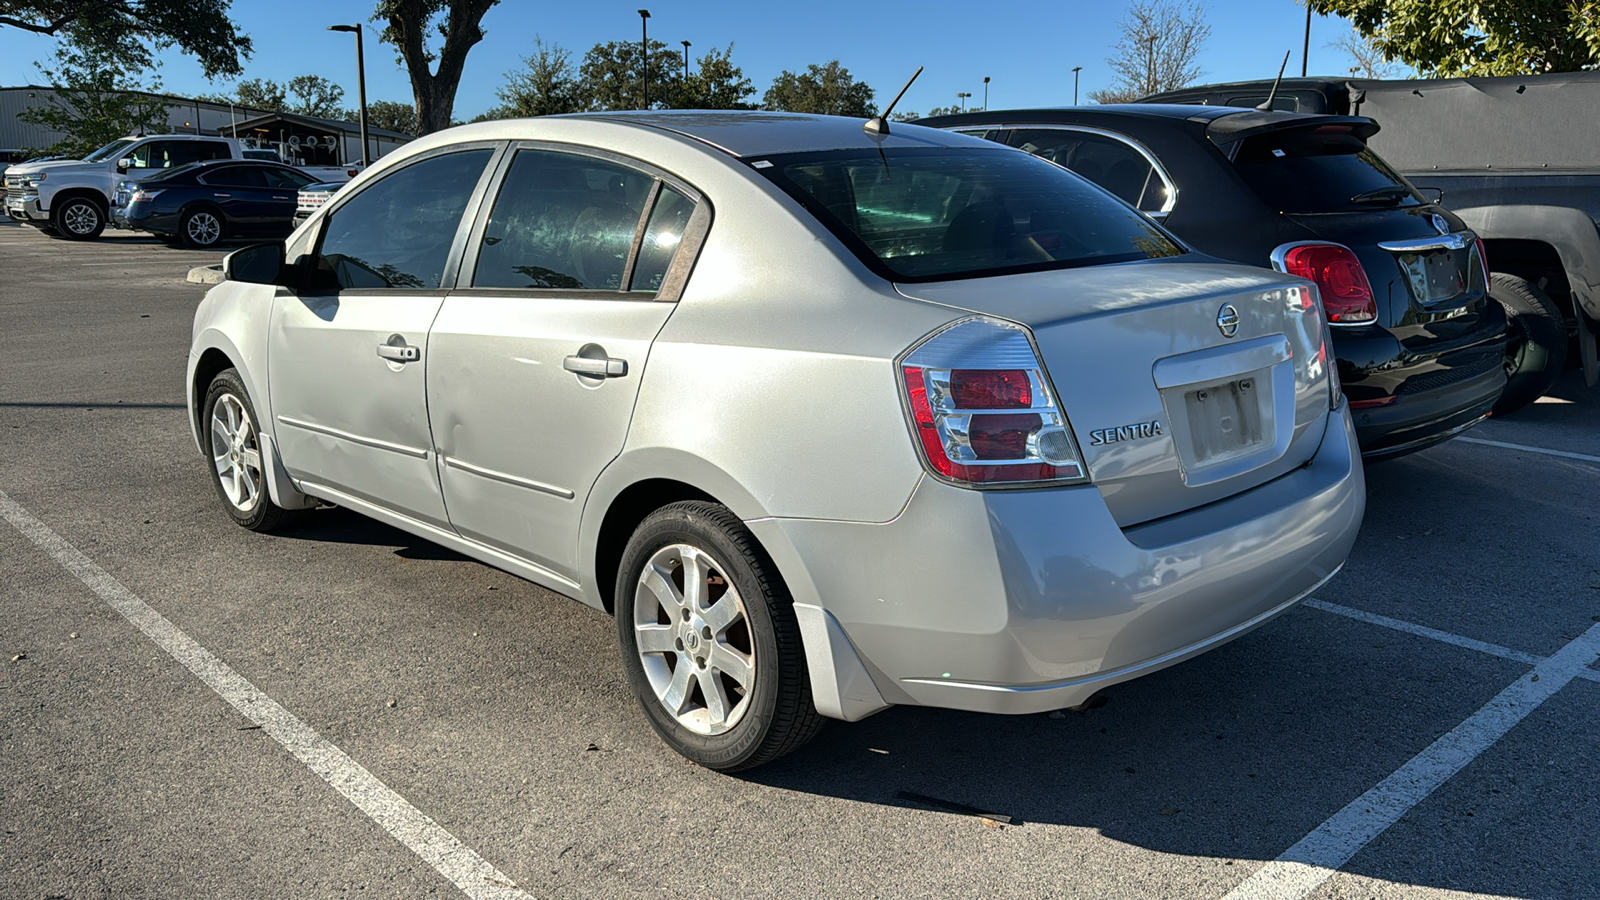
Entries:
{"x":1320,"y":170}
{"x":945,"y":213}
{"x":108,"y":151}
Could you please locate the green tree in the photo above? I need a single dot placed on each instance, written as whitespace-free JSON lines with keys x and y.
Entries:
{"x":254,"y":93}
{"x":716,"y":83}
{"x":827,"y":89}
{"x":95,"y":101}
{"x":408,"y":25}
{"x":547,"y":84}
{"x":1445,"y":38}
{"x":612,"y":75}
{"x":401,"y":117}
{"x":125,"y":33}
{"x":1160,"y":41}
{"x":316,"y":96}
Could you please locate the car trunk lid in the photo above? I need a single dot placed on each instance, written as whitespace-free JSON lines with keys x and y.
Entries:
{"x":1183,"y":382}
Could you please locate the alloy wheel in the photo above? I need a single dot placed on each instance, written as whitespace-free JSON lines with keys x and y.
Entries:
{"x":203,"y":229}
{"x":81,"y":218}
{"x":692,"y":634}
{"x":236,"y":451}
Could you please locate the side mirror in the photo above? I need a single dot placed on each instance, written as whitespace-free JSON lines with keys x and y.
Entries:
{"x":124,"y":164}
{"x":255,"y":264}
{"x":1431,"y":194}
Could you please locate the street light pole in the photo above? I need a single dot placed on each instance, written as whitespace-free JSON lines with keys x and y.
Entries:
{"x":962,"y":96}
{"x":644,"y":45}
{"x":1075,"y":71}
{"x":985,"y":93}
{"x":361,"y":83}
{"x":685,"y":60}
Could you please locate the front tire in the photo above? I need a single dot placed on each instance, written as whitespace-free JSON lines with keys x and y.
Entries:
{"x":78,"y":219}
{"x":710,"y":644}
{"x":202,"y":229}
{"x":1536,"y":350}
{"x":233,"y":443}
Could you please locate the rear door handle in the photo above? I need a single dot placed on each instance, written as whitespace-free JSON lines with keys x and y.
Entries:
{"x":221,"y":195}
{"x":400,"y":352}
{"x":598,"y":368}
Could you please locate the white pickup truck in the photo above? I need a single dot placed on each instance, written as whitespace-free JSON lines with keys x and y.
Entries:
{"x":72,"y":198}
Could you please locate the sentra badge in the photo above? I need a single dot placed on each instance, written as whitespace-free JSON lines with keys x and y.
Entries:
{"x":1135,"y":432}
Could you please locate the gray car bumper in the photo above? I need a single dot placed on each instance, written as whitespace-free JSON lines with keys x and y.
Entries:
{"x":1027,"y":601}
{"x":27,"y":210}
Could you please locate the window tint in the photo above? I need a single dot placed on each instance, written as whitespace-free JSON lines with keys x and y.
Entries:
{"x":197,"y":151}
{"x":1321,"y":170}
{"x":285,"y":178}
{"x":923,"y":215}
{"x":155,"y":155}
{"x":234,"y":176}
{"x":397,"y":232}
{"x":562,"y":221}
{"x":1105,"y":161}
{"x":661,"y":238}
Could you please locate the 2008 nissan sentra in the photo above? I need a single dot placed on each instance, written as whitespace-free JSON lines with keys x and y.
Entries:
{"x":830,"y":419}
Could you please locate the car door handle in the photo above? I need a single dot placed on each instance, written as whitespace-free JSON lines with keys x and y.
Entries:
{"x":599,"y":368}
{"x":400,"y":352}
{"x":221,"y":195}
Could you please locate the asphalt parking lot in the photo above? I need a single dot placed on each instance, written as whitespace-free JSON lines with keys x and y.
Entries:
{"x":192,"y":710}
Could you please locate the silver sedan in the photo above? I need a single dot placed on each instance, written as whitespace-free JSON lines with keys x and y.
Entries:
{"x":830,"y":419}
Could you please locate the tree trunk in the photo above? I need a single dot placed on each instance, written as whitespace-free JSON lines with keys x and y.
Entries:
{"x":408,"y":24}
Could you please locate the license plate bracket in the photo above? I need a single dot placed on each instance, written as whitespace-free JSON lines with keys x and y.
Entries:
{"x":1224,"y":418}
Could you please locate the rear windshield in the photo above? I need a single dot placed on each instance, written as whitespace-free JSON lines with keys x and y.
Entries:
{"x":1326,"y":169}
{"x":934,"y":214}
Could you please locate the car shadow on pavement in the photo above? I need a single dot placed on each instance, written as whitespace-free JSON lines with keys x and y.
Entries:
{"x":342,"y":526}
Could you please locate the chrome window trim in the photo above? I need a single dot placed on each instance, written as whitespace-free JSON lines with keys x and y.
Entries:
{"x":1279,"y":259}
{"x":1166,"y":179}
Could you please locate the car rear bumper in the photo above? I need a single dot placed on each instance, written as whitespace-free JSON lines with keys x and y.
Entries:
{"x":1032,"y":600}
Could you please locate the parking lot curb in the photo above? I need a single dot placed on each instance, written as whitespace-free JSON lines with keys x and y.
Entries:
{"x":206,"y":274}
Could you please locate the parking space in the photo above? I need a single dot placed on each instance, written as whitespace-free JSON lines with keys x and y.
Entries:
{"x":497,"y":710}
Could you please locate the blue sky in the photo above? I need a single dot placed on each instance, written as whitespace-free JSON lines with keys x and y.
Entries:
{"x":1027,"y":49}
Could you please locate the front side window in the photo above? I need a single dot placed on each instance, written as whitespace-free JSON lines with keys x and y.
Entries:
{"x":934,"y":214}
{"x":155,"y":155}
{"x":1106,"y":161}
{"x":562,"y":220}
{"x":234,"y":176}
{"x":397,"y":232}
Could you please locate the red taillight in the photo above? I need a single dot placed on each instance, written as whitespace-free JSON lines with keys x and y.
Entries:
{"x":990,"y":389}
{"x":1346,"y":293}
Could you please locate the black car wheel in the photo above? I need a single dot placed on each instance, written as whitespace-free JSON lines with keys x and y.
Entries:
{"x":202,"y":228}
{"x":78,"y":219}
{"x":1537,"y":347}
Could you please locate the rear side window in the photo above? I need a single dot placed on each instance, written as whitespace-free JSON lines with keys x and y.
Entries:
{"x":397,"y":232}
{"x":1106,"y":161}
{"x":1326,"y":169}
{"x":934,"y":214}
{"x":285,"y":179}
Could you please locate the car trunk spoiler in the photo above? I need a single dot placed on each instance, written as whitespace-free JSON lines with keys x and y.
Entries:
{"x":1230,"y":132}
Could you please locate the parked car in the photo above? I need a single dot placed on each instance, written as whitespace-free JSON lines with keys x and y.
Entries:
{"x":829,"y":420}
{"x":1420,"y":346}
{"x":203,"y":204}
{"x":312,"y":197}
{"x":1533,"y":202}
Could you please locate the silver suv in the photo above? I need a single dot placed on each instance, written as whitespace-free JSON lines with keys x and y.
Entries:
{"x":829,"y":419}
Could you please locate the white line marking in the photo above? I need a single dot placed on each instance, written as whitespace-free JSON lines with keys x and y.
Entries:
{"x":1362,"y":615}
{"x":1302,"y":868}
{"x":1564,"y":454}
{"x":421,"y":835}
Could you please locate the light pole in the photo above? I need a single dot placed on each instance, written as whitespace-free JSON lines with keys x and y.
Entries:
{"x":685,"y":60}
{"x":644,"y":45}
{"x":361,"y":82}
{"x":962,"y":96}
{"x":985,"y":93}
{"x":1075,"y":71}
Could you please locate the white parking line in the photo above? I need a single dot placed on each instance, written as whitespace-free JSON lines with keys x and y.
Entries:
{"x":1564,"y":454}
{"x":1302,"y":868}
{"x":1362,"y":615}
{"x":420,"y":834}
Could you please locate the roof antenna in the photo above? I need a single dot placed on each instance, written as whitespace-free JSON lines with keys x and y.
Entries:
{"x":1266,"y":105}
{"x":880,"y":124}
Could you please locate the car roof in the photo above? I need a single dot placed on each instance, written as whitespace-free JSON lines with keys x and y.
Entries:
{"x":1221,"y":123}
{"x":752,"y":133}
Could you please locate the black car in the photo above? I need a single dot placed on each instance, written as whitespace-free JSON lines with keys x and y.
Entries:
{"x":1420,"y":346}
{"x":204,"y":203}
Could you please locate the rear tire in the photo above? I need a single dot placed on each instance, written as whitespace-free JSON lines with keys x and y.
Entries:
{"x":1536,"y":349}
{"x":202,"y":228}
{"x":78,"y":219}
{"x":710,"y":644}
{"x":232,"y":441}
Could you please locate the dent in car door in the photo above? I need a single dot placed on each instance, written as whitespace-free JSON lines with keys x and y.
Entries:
{"x":535,"y":368}
{"x":347,"y":354}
